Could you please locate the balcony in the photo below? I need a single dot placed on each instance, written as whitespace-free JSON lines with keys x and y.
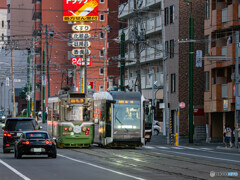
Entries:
{"x":152,"y":2}
{"x":153,"y":25}
{"x":36,"y":13}
{"x":216,"y":19}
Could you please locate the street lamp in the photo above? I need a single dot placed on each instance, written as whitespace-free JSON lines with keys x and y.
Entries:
{"x":191,"y":49}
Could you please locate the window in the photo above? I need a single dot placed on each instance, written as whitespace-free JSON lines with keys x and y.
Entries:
{"x":101,"y":71}
{"x":207,"y":45}
{"x":101,"y":35}
{"x":171,"y":14}
{"x":8,"y":6}
{"x":173,"y":83}
{"x":207,"y":10}
{"x":101,"y":52}
{"x":2,"y":37}
{"x":101,"y":17}
{"x":206,"y":74}
{"x":8,"y":24}
{"x":171,"y":48}
{"x":166,"y":48}
{"x":101,"y":1}
{"x":2,"y":24}
{"x":166,"y":16}
{"x":101,"y":88}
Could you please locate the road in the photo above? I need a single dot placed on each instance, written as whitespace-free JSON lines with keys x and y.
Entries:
{"x":147,"y":162}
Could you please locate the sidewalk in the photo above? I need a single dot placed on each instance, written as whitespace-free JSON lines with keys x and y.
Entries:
{"x":162,"y":140}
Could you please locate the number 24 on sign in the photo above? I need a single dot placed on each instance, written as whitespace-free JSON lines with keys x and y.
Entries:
{"x":81,"y":62}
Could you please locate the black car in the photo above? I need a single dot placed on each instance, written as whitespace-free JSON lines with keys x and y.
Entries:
{"x":13,"y":130}
{"x":35,"y":143}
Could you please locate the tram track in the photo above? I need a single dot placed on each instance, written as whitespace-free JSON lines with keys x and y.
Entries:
{"x":163,"y":162}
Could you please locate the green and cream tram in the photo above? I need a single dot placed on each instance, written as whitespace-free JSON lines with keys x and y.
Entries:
{"x":118,"y":119}
{"x":70,"y":120}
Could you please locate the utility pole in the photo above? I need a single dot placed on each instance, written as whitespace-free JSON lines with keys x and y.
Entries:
{"x":85,"y":68}
{"x":153,"y":102}
{"x":48,"y":76}
{"x":34,"y":79}
{"x":236,"y":88}
{"x":13,"y":89}
{"x":105,"y":56}
{"x":191,"y":51}
{"x":122,"y":61}
{"x":43,"y":88}
{"x":28,"y":85}
{"x":137,"y":52}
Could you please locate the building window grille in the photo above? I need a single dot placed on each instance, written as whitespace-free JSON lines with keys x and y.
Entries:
{"x":171,"y":48}
{"x":2,"y":24}
{"x":166,"y":48}
{"x":102,"y":35}
{"x":101,"y":71}
{"x":2,"y":37}
{"x":101,"y":52}
{"x":207,"y":10}
{"x":171,"y":14}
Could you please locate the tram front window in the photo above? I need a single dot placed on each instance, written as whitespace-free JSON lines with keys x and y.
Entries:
{"x":127,"y":116}
{"x":77,"y":113}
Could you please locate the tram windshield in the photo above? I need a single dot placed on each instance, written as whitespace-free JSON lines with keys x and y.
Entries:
{"x":127,"y":115}
{"x":77,"y":113}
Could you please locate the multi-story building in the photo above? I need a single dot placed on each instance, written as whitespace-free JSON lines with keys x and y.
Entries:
{"x":221,"y":23}
{"x":151,"y":47}
{"x":61,"y":74}
{"x":176,"y":24}
{"x":3,"y":21}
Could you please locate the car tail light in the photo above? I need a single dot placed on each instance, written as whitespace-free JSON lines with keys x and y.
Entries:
{"x":7,"y":145}
{"x":86,"y":132}
{"x":88,"y":129}
{"x":7,"y":134}
{"x":48,"y":142}
{"x":26,"y":142}
{"x":65,"y":129}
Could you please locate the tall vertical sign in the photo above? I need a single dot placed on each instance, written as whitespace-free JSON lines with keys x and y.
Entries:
{"x":80,"y":10}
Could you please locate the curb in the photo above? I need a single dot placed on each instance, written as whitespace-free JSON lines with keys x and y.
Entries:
{"x":228,"y":149}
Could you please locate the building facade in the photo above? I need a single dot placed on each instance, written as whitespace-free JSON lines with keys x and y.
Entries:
{"x":176,"y":24}
{"x":151,"y":48}
{"x":3,"y":21}
{"x":61,"y":73}
{"x":221,"y":23}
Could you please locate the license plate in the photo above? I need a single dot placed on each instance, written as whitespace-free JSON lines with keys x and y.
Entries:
{"x":37,"y":149}
{"x":19,"y":134}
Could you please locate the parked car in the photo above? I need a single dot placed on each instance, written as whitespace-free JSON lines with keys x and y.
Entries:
{"x":157,"y":128}
{"x":2,"y":116}
{"x":14,"y":128}
{"x":35,"y":143}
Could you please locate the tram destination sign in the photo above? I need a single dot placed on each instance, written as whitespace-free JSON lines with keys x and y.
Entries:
{"x":80,"y":10}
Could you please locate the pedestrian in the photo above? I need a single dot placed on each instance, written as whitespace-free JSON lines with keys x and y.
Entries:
{"x":238,"y":134}
{"x":228,"y":136}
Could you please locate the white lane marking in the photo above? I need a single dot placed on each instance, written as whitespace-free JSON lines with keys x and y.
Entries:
{"x":14,"y":170}
{"x":177,"y":147}
{"x":162,"y":147}
{"x":148,"y":147}
{"x":90,"y":164}
{"x":189,"y":148}
{"x":208,"y":157}
{"x":125,"y":157}
{"x":208,"y":149}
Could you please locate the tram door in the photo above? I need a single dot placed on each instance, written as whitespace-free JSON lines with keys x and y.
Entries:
{"x":108,"y":120}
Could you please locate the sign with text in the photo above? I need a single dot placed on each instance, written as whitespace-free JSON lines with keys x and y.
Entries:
{"x":44,"y":80}
{"x":80,"y":10}
{"x":81,"y":44}
{"x":90,"y":85}
{"x":82,"y":85}
{"x":81,"y":28}
{"x":81,"y":36}
{"x":80,"y":52}
{"x":79,"y":61}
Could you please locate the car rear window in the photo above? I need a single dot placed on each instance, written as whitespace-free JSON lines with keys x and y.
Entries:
{"x":19,"y":125}
{"x":36,"y":136}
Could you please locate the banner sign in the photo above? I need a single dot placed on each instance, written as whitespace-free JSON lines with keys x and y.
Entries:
{"x":79,"y":61}
{"x":81,"y":44}
{"x":80,"y":52}
{"x":81,"y":36}
{"x":80,"y":10}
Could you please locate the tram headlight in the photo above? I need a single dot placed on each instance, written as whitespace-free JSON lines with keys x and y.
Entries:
{"x":70,"y":129}
{"x":119,"y":127}
{"x":134,"y":127}
{"x":84,"y":129}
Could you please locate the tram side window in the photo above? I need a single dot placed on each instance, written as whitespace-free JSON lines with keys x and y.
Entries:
{"x":97,"y":112}
{"x":108,"y":120}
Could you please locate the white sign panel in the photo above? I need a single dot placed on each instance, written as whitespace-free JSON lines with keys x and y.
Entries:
{"x":81,"y":36}
{"x":81,"y":28}
{"x":81,"y":44}
{"x":80,"y":52}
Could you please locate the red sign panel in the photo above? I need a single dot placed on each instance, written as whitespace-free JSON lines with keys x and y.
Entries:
{"x":198,"y":112}
{"x":182,"y":105}
{"x":80,"y":10}
{"x":91,"y":85}
{"x":79,"y":61}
